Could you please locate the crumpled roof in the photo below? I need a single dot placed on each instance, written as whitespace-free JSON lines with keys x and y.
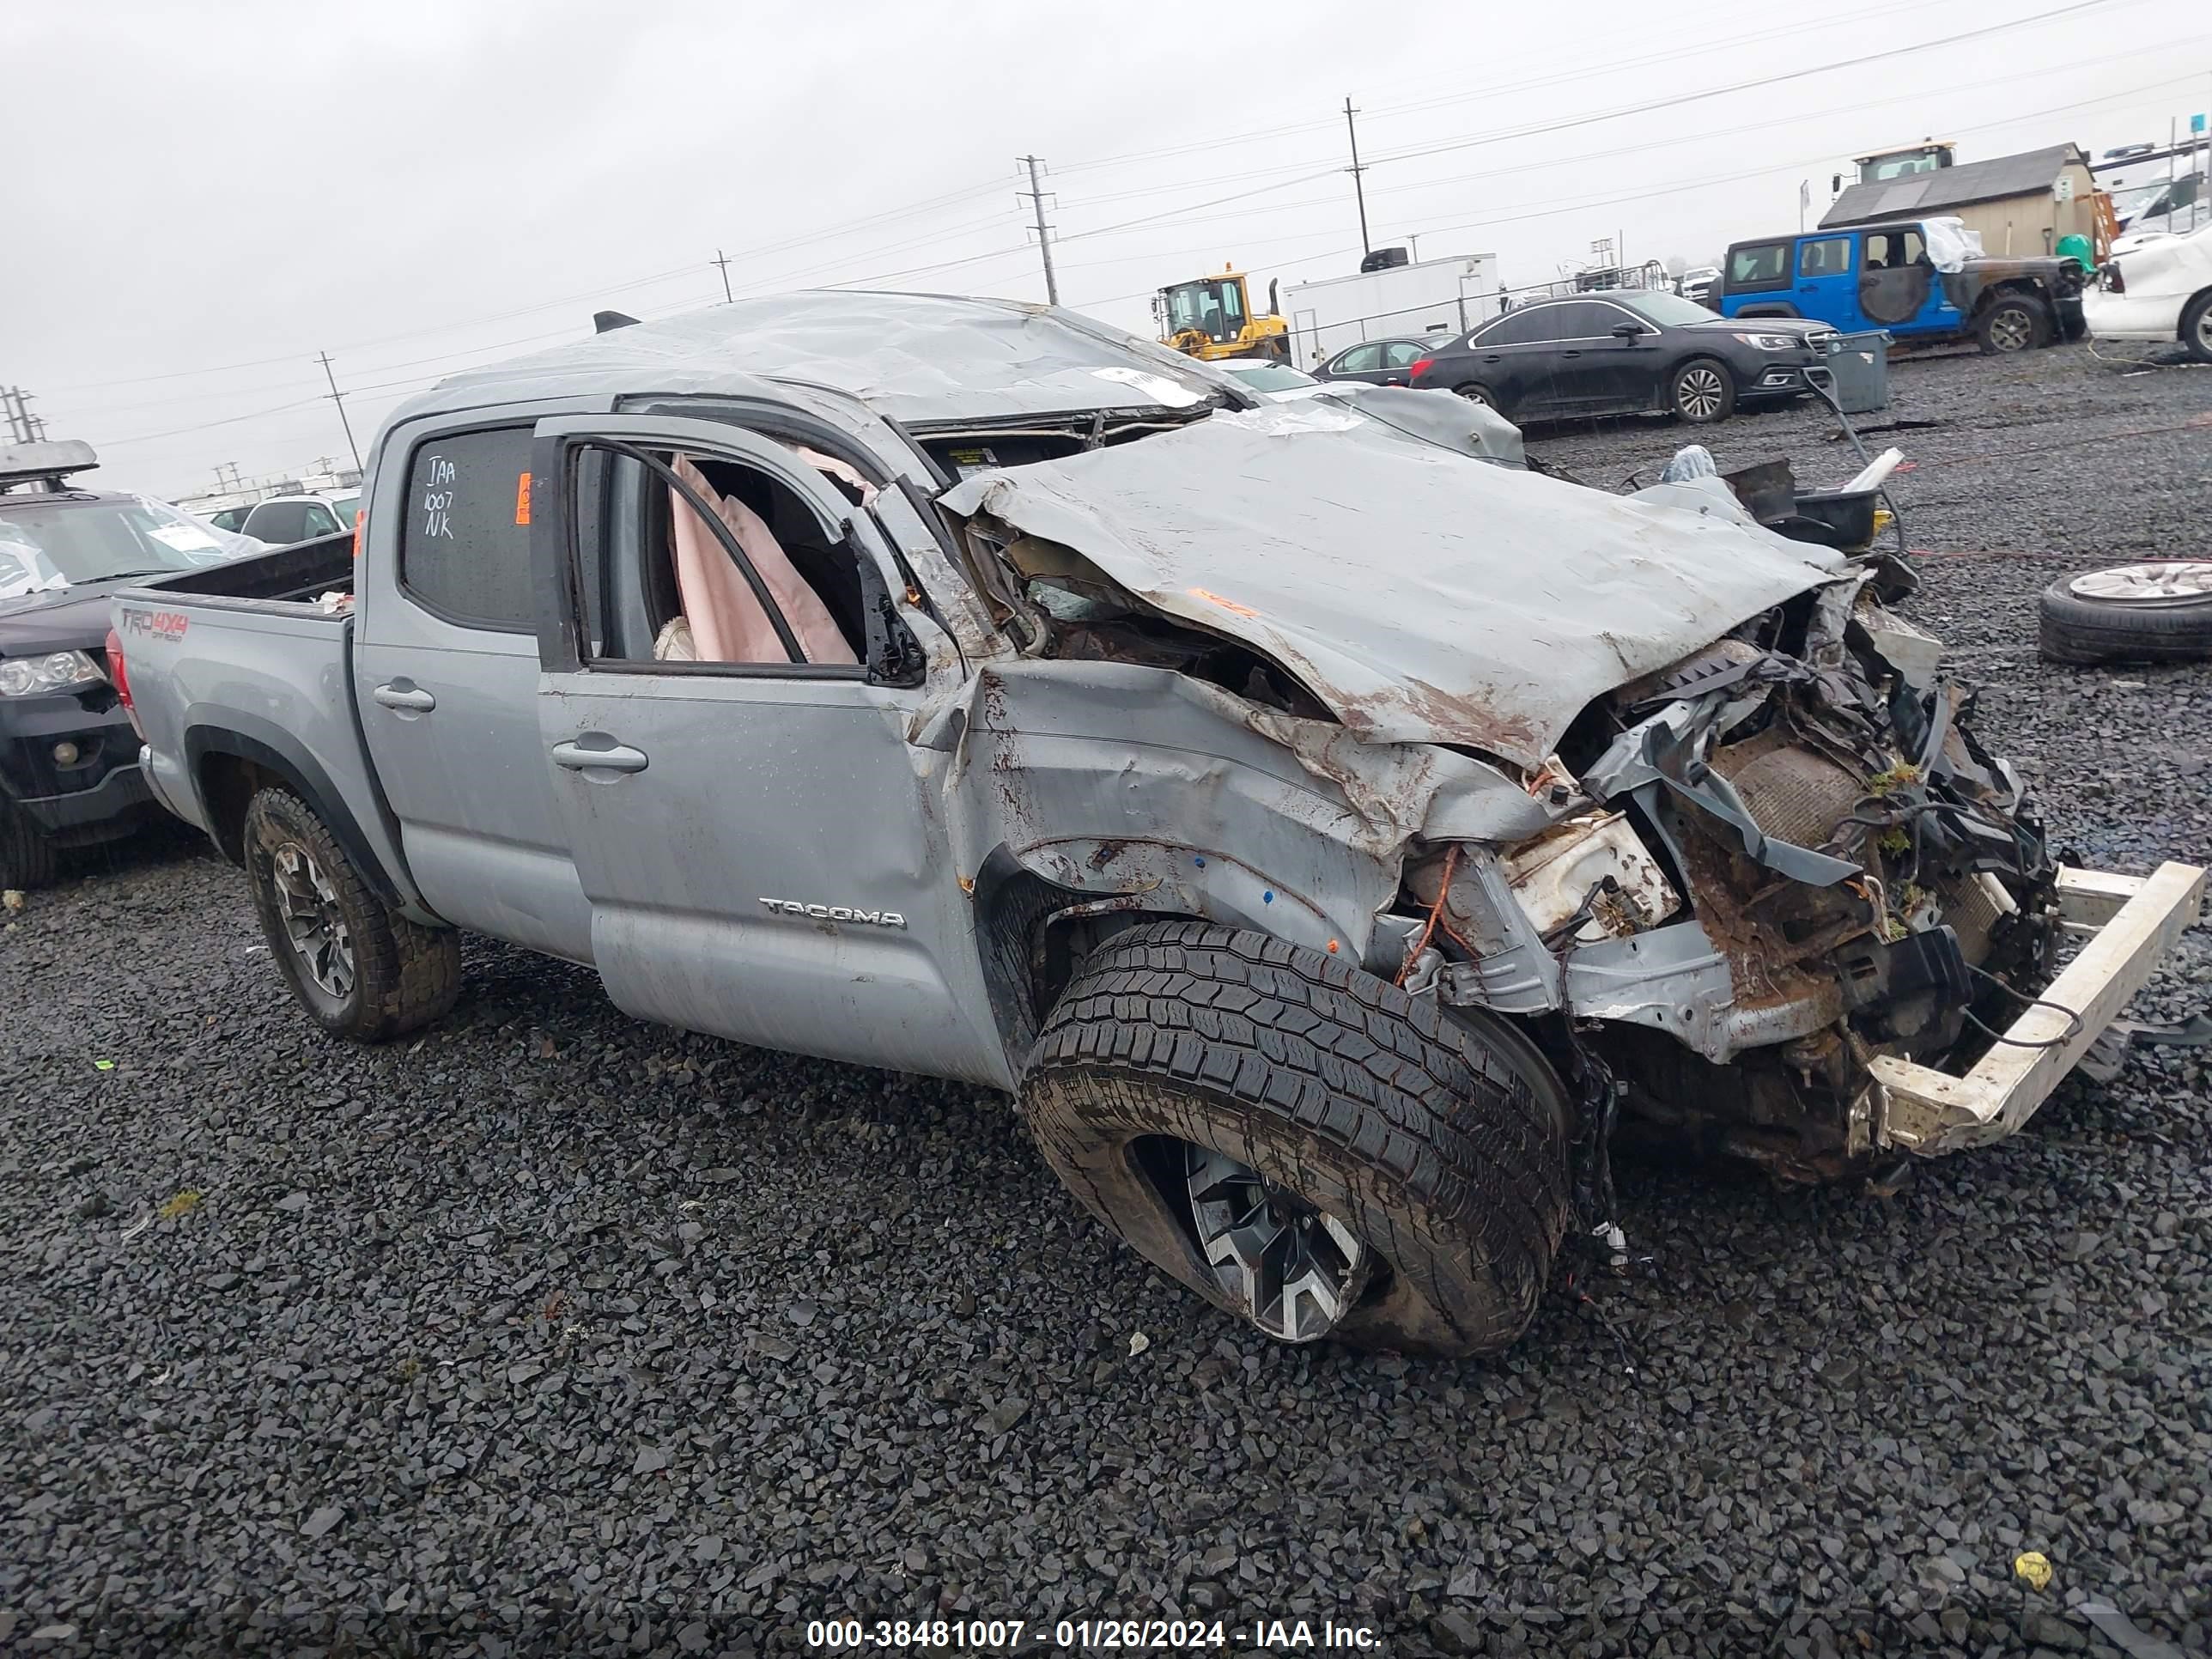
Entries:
{"x":924,"y":359}
{"x":1423,"y":595}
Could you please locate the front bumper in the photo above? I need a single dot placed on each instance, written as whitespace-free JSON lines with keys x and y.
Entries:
{"x":113,"y":806}
{"x":2133,"y":923}
{"x":2132,"y":316}
{"x":99,"y":793}
{"x":1774,"y":381}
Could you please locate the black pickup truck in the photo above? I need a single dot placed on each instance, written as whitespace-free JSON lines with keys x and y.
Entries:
{"x":68,"y":757}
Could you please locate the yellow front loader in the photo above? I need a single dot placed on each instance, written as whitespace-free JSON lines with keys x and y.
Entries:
{"x":1211,"y":317}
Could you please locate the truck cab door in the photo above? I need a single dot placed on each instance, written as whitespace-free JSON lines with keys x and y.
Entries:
{"x":445,"y":669}
{"x":1898,"y":286}
{"x":1827,"y":280}
{"x":765,"y":853}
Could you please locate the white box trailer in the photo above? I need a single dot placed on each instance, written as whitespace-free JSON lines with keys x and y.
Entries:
{"x":1439,"y":296}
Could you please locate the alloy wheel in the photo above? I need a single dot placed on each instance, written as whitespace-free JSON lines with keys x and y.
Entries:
{"x":315,"y":925}
{"x":1697,"y":395}
{"x":1293,"y":1268}
{"x":2011,"y":329}
{"x":2162,"y":581}
{"x":2204,"y":333}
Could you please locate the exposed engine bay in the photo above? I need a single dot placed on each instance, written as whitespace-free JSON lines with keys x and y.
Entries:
{"x":1803,"y":860}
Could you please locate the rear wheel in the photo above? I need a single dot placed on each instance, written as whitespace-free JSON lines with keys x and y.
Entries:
{"x":2197,"y":328}
{"x":1475,"y":392}
{"x":26,"y":857}
{"x":1702,"y":392}
{"x":1302,"y":1143}
{"x":361,"y":970}
{"x":2013,"y":322}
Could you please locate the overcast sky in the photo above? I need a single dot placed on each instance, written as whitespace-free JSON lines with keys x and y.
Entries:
{"x":203,"y":197}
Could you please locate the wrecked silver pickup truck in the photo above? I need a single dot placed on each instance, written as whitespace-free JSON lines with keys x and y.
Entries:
{"x":1329,"y":828}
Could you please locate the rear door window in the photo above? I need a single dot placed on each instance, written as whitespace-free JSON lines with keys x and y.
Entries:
{"x":1894,"y":250}
{"x":1831,"y":255}
{"x":1521,"y":328}
{"x":280,"y":523}
{"x":1403,"y":353}
{"x":1758,"y":264}
{"x":1359,"y":360}
{"x":464,"y":549}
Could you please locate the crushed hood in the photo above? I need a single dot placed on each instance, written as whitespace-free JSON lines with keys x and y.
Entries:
{"x":1421,"y":594}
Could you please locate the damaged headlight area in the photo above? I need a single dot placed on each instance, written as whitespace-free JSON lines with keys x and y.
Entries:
{"x":1794,"y":857}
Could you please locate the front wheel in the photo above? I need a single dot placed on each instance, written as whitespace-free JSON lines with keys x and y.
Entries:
{"x":359,"y":969}
{"x":1303,"y":1145}
{"x":2013,"y":322}
{"x":1702,"y":392}
{"x":27,"y":858}
{"x":2197,"y":328}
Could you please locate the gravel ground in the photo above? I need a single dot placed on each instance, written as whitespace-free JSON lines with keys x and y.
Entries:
{"x":553,"y":1331}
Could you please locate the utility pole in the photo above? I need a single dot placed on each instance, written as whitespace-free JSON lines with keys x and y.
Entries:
{"x":23,"y":427}
{"x":1035,"y":194}
{"x":722,"y":260}
{"x":339,"y":397}
{"x":1355,"y":170}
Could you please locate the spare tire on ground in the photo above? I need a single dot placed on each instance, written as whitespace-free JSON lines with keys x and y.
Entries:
{"x":2158,"y":611}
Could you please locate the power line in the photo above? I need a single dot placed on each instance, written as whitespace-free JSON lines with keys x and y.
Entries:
{"x":1035,"y":194}
{"x":1677,"y":100}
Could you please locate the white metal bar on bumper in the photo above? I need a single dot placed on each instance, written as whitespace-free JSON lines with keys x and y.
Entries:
{"x":2132,"y":921}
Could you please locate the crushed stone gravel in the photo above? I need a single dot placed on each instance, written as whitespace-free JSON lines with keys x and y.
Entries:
{"x":551,"y":1331}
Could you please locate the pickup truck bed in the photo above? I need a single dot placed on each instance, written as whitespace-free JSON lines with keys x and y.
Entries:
{"x":255,"y":643}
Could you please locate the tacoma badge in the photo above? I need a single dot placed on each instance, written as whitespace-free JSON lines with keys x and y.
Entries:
{"x":835,"y":913}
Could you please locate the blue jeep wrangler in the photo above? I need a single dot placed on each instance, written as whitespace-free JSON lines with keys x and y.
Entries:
{"x":1859,"y":277}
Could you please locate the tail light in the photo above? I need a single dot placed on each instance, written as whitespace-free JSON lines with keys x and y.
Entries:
{"x":1421,"y":366}
{"x":2114,"y":282}
{"x":360,"y":524}
{"x":119,"y":672}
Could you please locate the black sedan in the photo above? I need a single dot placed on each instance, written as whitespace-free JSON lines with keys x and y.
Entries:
{"x":1380,"y":363}
{"x":1623,"y":352}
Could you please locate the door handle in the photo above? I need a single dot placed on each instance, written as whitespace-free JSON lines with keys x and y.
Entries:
{"x":616,"y":757}
{"x":1807,"y":287}
{"x":1491,"y":358}
{"x":1571,"y":354}
{"x":404,"y":694}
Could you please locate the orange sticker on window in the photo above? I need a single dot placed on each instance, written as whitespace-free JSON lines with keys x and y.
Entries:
{"x":522,"y":498}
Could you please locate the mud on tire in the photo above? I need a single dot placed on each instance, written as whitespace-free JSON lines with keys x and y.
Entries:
{"x":404,"y":975}
{"x":1441,"y":1143}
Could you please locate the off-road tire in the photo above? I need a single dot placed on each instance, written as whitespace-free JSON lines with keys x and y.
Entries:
{"x":1994,"y":331}
{"x":2080,"y":630}
{"x":2197,"y":328}
{"x":1679,"y":396}
{"x":406,"y":974}
{"x":27,"y":858}
{"x":1441,"y":1140}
